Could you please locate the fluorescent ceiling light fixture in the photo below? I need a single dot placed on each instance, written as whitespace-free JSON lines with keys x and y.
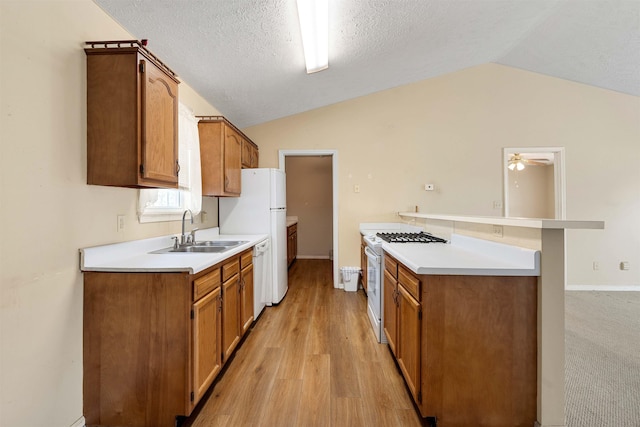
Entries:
{"x":314,"y":26}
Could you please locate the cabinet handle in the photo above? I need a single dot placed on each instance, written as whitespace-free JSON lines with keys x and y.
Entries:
{"x":226,"y":182}
{"x":177,"y":168}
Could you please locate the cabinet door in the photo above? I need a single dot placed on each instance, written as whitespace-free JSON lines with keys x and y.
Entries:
{"x":390,"y":311}
{"x":232,"y":161}
{"x":408,"y":340}
{"x":294,"y":245}
{"x":246,"y":298}
{"x":255,"y":156}
{"x":159,"y":126}
{"x":206,"y":342}
{"x":230,"y":316}
{"x":247,"y":154}
{"x":364,"y":267}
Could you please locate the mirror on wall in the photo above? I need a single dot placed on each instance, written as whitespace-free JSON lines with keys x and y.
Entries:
{"x":534,"y":182}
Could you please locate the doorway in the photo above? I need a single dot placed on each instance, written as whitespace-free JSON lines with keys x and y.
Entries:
{"x":534,"y":182}
{"x":304,"y":209}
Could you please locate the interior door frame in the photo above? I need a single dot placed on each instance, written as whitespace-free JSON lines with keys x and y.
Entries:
{"x":559,"y":181}
{"x":282,"y":154}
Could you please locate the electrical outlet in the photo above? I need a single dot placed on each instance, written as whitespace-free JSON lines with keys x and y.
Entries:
{"x":596,"y":265}
{"x":624,"y":265}
{"x":497,"y":230}
{"x":120,"y":223}
{"x":203,"y":216}
{"x":356,"y":188}
{"x":497,"y":204}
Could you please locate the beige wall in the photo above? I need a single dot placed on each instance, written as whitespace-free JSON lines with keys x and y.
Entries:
{"x":48,"y":212}
{"x":309,"y":197}
{"x":531,"y":192}
{"x":450,"y":131}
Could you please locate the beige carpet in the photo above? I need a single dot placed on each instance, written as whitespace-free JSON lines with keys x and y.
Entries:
{"x":602,"y":359}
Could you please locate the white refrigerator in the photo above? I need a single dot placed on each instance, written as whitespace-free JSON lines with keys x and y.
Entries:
{"x":261,"y":208}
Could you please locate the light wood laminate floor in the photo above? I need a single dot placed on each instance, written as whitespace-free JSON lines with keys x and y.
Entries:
{"x":312,"y":360}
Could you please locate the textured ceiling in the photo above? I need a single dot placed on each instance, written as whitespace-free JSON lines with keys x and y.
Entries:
{"x":245,"y":56}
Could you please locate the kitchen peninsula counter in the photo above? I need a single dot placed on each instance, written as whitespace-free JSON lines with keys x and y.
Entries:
{"x":135,"y":256}
{"x":466,"y":256}
{"x":550,"y":299}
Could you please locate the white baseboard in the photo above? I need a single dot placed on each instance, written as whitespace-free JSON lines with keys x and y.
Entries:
{"x":612,"y":288}
{"x":313,"y":257}
{"x":80,"y":422}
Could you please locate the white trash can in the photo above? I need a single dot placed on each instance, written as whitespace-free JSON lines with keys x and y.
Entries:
{"x":350,"y":277}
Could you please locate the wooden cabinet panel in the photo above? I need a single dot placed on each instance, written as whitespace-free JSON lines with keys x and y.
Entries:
{"x":132,"y":107}
{"x":224,"y":151}
{"x":205,"y":284}
{"x":246,"y":298}
{"x":364,"y":266}
{"x":230,"y":268}
{"x":230,"y":316}
{"x":207,"y":354}
{"x":409,"y":281}
{"x":408,"y":344}
{"x":255,"y":157}
{"x":154,"y":342}
{"x":390,"y":310}
{"x":249,"y":154}
{"x":232,"y":161}
{"x":137,"y":349}
{"x":159,"y":114}
{"x":292,"y":244}
{"x":246,"y":258}
{"x":391,"y":265}
{"x":479,"y":350}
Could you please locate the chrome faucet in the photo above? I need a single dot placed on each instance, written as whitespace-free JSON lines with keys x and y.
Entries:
{"x":184,"y":239}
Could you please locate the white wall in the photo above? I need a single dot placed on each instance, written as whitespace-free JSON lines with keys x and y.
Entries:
{"x":531,"y":192}
{"x":309,"y":197}
{"x":48,"y":211}
{"x":450,"y":131}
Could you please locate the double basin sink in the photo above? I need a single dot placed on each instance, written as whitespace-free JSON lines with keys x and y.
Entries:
{"x":209,"y":246}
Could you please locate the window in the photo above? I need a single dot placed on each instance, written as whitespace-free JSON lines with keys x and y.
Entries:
{"x":168,"y":205}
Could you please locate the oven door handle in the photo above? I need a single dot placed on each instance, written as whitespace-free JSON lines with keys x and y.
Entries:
{"x":371,"y":254}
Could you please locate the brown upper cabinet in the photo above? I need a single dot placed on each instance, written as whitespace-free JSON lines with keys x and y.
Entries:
{"x":132,"y":117}
{"x":222,"y":154}
{"x":249,"y":154}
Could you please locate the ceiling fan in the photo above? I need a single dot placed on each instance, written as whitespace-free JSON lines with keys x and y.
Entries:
{"x":517,"y":162}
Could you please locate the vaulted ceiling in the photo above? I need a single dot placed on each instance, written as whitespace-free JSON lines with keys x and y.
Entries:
{"x":245,"y":56}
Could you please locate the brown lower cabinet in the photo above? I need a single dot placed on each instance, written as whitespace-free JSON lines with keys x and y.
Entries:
{"x":155,"y":342}
{"x":466,"y":345}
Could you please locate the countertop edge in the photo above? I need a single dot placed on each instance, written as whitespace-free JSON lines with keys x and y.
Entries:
{"x":513,"y":221}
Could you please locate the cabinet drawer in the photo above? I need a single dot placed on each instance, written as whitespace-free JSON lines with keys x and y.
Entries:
{"x":410,"y":282}
{"x":206,"y":284}
{"x":292,"y":229}
{"x":230,"y":268}
{"x":391,"y":265}
{"x":246,"y":258}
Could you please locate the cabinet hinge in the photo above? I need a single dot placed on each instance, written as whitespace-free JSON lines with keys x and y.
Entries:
{"x":141,"y":168}
{"x":193,"y":396}
{"x":193,"y":315}
{"x":141,"y":67}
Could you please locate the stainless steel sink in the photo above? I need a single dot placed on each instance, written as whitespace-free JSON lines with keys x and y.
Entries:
{"x":209,"y":246}
{"x":228,"y":243}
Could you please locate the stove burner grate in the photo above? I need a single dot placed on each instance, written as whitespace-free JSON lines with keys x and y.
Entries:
{"x":420,"y":237}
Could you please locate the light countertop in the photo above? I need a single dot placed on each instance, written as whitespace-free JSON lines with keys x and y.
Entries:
{"x":512,"y":221}
{"x":135,"y":256}
{"x":291,"y":220}
{"x":466,"y":256}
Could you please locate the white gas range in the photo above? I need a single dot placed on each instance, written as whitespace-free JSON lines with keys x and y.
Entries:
{"x":374,"y":234}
